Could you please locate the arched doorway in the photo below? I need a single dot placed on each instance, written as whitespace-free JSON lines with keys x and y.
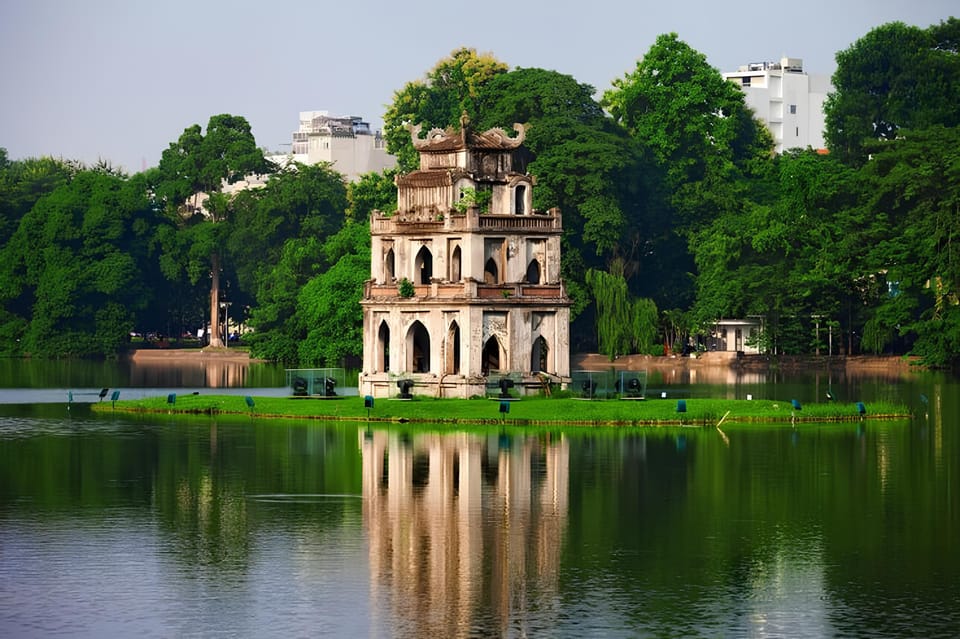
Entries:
{"x":490,"y":275}
{"x":533,"y":272}
{"x":519,"y":199}
{"x":490,"y":358}
{"x":383,"y":348}
{"x":388,"y":266}
{"x":418,"y":348}
{"x":455,"y":264}
{"x":424,"y":265}
{"x":538,"y":355}
{"x":452,"y":363}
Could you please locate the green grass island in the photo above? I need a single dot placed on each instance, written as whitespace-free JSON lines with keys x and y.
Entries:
{"x":528,"y":411}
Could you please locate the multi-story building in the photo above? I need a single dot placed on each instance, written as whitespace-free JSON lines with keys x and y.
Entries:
{"x":786,"y":98}
{"x":345,"y":142}
{"x":465,"y":275}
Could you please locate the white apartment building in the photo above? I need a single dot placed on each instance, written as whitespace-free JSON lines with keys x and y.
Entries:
{"x":345,"y":142}
{"x":789,"y":100}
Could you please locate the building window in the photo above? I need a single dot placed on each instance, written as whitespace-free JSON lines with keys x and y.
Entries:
{"x":519,"y":199}
{"x":793,"y":109}
{"x":746,"y":81}
{"x":533,"y":272}
{"x":424,"y":265}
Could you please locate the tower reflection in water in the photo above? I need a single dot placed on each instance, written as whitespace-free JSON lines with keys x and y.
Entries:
{"x":465,"y":530}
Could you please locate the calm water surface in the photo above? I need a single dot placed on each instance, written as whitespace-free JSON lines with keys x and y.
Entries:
{"x":178,"y":526}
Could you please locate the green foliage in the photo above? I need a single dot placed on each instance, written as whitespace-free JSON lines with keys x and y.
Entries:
{"x":912,"y":188}
{"x":895,"y":77}
{"x":405,"y":288}
{"x":624,"y":325}
{"x":191,"y":169}
{"x":77,"y":270}
{"x":308,"y":306}
{"x":372,"y":192}
{"x":329,"y":309}
{"x":299,"y":201}
{"x":470,"y":198}
{"x":696,"y":124}
{"x":644,"y":326}
{"x":23,"y":183}
{"x":450,"y":89}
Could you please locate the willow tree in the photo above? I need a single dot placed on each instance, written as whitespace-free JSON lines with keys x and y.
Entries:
{"x":624,"y":324}
{"x":613,"y":311}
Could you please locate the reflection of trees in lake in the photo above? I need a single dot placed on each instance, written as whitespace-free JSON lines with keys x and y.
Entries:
{"x":465,"y":530}
{"x":198,"y":372}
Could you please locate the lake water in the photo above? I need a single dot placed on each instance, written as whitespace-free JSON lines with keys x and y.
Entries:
{"x":185,"y":526}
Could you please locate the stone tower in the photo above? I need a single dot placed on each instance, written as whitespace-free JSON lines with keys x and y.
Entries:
{"x":465,"y":275}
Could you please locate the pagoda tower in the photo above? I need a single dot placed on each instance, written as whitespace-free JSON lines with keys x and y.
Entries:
{"x":465,"y":275}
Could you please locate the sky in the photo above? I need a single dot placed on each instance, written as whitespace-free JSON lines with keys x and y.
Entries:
{"x":119,"y":80}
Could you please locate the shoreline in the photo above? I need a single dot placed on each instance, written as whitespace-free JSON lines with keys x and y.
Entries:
{"x":894,"y":364}
{"x":182,"y":355}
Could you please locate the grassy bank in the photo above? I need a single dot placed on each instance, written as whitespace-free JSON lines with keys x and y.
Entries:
{"x":528,"y":411}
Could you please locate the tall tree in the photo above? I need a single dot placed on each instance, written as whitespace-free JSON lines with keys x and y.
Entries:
{"x":449,"y":89}
{"x":696,"y":124}
{"x":198,"y":165}
{"x":896,"y":76}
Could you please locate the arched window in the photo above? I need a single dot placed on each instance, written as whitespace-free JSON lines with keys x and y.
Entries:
{"x":388,"y":266}
{"x":452,"y":364}
{"x":383,"y":348}
{"x":455,"y":265}
{"x":424,"y":265}
{"x":533,"y":272}
{"x":418,"y":348}
{"x":538,"y":355}
{"x":520,"y":199}
{"x":490,"y":275}
{"x":490,"y":358}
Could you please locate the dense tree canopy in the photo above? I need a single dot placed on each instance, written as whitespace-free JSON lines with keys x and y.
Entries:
{"x":78,"y":269}
{"x":695,"y":123}
{"x":451,"y":88}
{"x":896,"y":76}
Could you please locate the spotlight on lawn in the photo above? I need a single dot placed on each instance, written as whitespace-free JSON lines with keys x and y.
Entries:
{"x":328,"y":385}
{"x":405,"y":385}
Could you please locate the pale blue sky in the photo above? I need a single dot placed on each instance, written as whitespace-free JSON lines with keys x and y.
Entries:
{"x":121,"y":79}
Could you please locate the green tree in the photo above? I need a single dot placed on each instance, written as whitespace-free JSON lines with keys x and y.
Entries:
{"x":77,"y":270}
{"x":198,"y":165}
{"x":896,"y":76}
{"x":23,"y":182}
{"x":451,"y":88}
{"x":913,"y":184}
{"x":298,"y":201}
{"x":372,"y":192}
{"x":695,"y":123}
{"x":328,"y":307}
{"x":789,"y":256}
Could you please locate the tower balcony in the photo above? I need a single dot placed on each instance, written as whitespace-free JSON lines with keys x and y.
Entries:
{"x":432,"y":220}
{"x":470,"y":290}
